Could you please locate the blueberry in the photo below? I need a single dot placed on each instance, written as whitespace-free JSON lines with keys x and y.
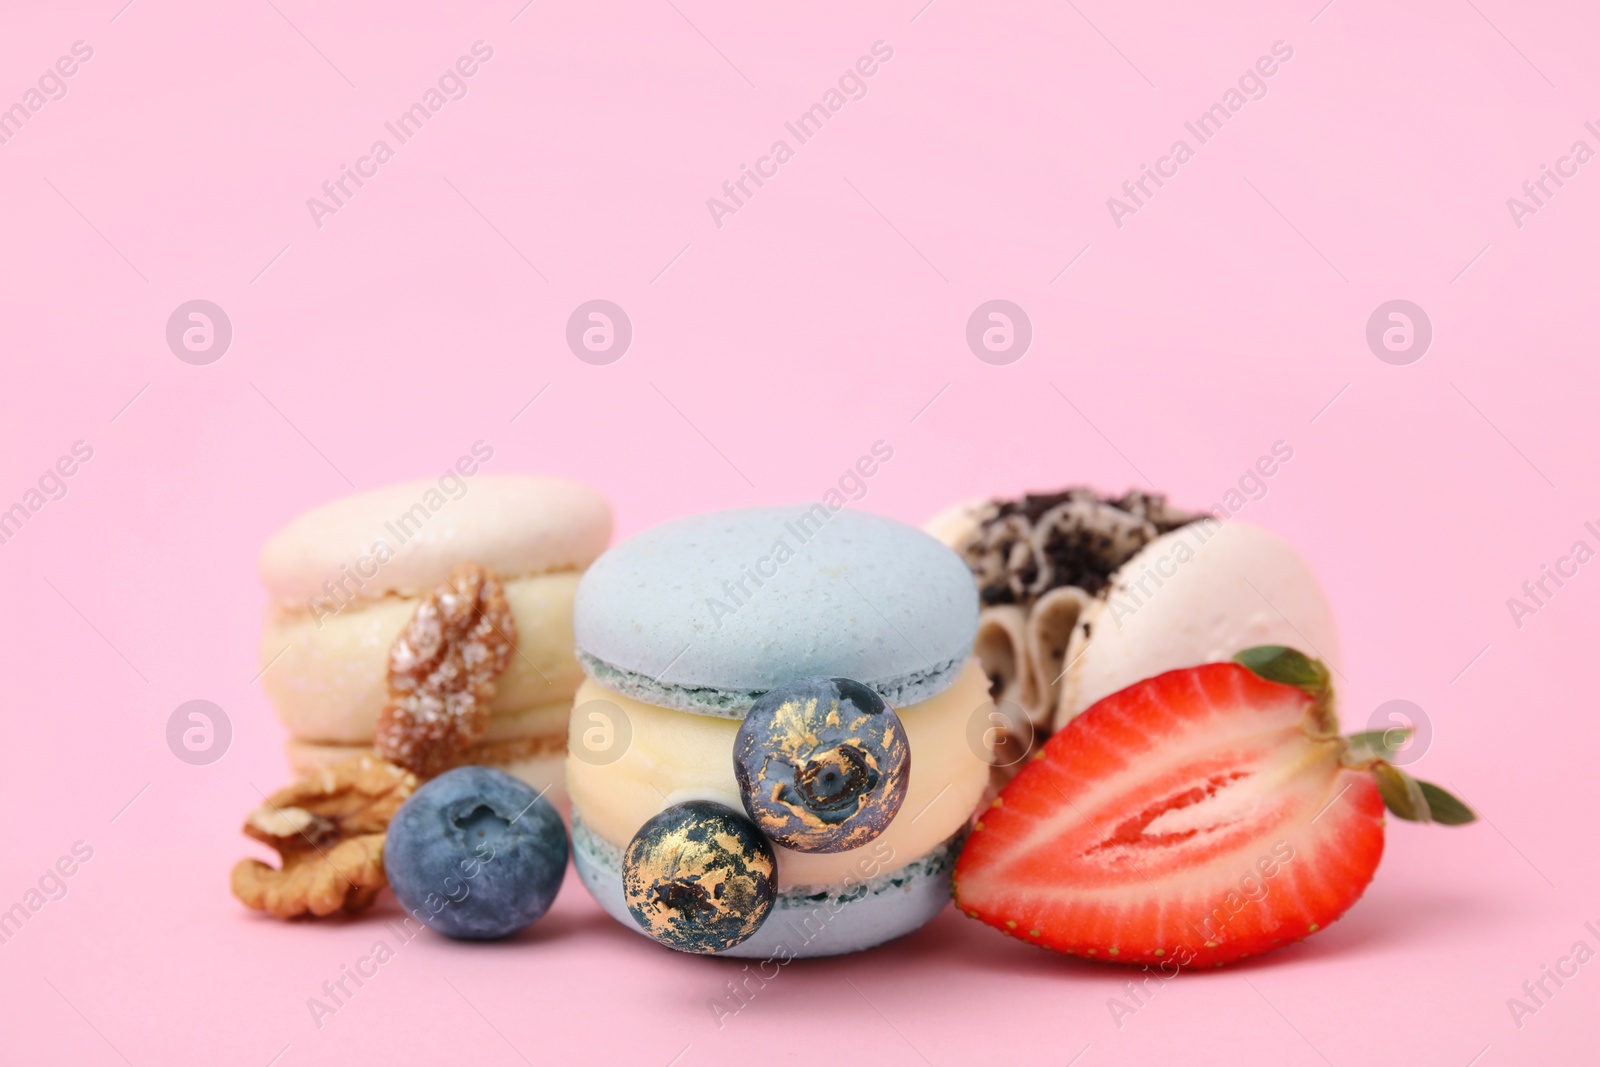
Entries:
{"x":699,"y":878}
{"x":823,"y":764}
{"x":476,"y":853}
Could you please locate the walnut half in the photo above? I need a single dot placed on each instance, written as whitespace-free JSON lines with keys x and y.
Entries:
{"x":328,"y":832}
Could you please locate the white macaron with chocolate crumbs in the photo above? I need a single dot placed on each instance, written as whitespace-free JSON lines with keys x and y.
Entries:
{"x":1087,"y":593}
{"x":347,"y":577}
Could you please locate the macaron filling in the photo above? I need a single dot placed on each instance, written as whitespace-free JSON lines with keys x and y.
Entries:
{"x":328,"y":678}
{"x":670,"y":756}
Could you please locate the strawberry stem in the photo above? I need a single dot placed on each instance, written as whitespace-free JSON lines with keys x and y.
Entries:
{"x":1362,"y":748}
{"x":1370,"y":750}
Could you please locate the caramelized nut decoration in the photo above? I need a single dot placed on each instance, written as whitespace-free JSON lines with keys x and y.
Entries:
{"x":442,"y":671}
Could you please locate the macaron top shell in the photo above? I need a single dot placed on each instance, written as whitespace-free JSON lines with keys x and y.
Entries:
{"x":706,"y":614}
{"x":1197,"y":595}
{"x":511,"y":524}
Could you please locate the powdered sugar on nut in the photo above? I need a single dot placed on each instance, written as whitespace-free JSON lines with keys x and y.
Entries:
{"x":442,"y":672}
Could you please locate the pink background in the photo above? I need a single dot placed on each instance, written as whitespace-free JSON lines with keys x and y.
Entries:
{"x":1227,"y":314}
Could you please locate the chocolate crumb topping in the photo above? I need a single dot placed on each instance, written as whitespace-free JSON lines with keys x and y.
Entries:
{"x":1024,"y":548}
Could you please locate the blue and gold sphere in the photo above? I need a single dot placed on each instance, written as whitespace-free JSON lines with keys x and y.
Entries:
{"x":699,"y":878}
{"x":823,"y":764}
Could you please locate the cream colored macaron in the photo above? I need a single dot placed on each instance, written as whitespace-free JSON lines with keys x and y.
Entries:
{"x":1197,"y":594}
{"x":346,"y":579}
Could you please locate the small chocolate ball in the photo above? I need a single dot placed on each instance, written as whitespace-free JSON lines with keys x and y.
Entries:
{"x":823,"y":764}
{"x":699,"y":877}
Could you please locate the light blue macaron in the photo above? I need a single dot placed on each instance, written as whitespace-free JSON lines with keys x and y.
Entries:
{"x":706,"y":614}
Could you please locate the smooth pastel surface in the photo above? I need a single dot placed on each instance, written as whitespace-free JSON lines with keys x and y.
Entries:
{"x":676,"y":755}
{"x":329,"y":679}
{"x":514,"y":526}
{"x":708,"y":612}
{"x":765,"y":361}
{"x":1198,"y":595}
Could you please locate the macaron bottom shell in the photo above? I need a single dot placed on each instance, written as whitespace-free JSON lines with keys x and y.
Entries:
{"x":806,"y":921}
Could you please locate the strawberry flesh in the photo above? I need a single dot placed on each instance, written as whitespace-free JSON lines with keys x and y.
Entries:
{"x":1195,"y":818}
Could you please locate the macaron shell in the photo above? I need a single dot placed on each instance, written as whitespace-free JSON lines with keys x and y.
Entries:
{"x":513,"y":525}
{"x":1197,"y":595}
{"x":707,"y":613}
{"x":328,"y":679}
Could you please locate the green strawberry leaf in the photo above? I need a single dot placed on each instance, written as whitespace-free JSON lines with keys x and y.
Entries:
{"x":1446,"y":808}
{"x":1289,"y":666}
{"x":1419,"y":801}
{"x":1278,"y":663}
{"x":1401,"y":793}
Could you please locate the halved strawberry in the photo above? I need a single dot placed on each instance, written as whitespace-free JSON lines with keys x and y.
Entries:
{"x":1197,"y":817}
